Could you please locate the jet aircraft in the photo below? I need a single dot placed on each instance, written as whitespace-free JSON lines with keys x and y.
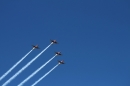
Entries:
{"x":58,"y":53}
{"x":35,"y":46}
{"x":54,"y":41}
{"x":61,"y":62}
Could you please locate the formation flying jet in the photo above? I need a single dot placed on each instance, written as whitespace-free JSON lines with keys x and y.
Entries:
{"x":61,"y":62}
{"x":54,"y":41}
{"x":58,"y":53}
{"x":35,"y":46}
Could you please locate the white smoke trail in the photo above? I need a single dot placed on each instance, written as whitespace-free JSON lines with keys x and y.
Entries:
{"x":35,"y":72}
{"x":5,"y":74}
{"x":23,"y":68}
{"x":44,"y":75}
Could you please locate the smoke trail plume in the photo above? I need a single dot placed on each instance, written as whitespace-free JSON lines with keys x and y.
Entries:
{"x":35,"y":72}
{"x":5,"y":74}
{"x":45,"y":75}
{"x":23,"y":68}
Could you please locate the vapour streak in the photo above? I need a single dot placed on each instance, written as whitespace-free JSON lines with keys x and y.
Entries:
{"x":5,"y":74}
{"x":23,"y":68}
{"x":35,"y":72}
{"x":45,"y":75}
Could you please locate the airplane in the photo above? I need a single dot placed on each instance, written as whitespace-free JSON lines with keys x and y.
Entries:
{"x":35,"y":46}
{"x":58,"y":53}
{"x":54,"y":41}
{"x":61,"y":62}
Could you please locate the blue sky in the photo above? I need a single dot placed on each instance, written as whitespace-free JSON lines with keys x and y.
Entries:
{"x":93,"y":35}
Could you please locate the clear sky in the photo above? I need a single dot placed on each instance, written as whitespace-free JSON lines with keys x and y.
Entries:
{"x":93,"y":35}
